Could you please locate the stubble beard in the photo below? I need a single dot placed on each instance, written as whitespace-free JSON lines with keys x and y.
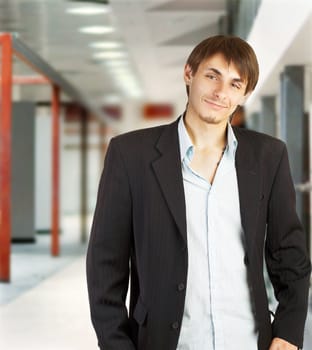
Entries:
{"x":210,"y":119}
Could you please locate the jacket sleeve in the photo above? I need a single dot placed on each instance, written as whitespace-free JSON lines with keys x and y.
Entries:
{"x":108,"y":255}
{"x":287,"y":258}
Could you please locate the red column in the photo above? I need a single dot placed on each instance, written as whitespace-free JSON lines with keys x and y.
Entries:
{"x":5,"y":155}
{"x":55,"y":246}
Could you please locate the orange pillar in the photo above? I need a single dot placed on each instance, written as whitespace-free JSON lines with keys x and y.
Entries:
{"x":55,"y":246}
{"x":5,"y":155}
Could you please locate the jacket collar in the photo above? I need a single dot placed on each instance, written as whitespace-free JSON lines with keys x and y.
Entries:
{"x":249,"y":180}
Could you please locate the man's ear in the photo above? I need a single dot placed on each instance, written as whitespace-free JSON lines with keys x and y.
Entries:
{"x":187,"y":74}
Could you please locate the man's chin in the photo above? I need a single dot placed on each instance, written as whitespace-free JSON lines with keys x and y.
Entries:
{"x":211,"y":119}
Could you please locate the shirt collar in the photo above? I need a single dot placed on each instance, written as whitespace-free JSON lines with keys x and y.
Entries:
{"x":184,"y":139}
{"x":186,"y":144}
{"x":232,"y":140}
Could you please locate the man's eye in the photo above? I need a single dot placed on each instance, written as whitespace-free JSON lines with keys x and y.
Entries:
{"x":236,"y":86}
{"x":211,"y":76}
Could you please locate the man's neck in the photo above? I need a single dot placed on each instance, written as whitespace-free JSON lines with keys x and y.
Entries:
{"x":204,"y":135}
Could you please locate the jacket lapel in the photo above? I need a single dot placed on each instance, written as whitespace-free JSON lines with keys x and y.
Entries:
{"x":249,"y":183}
{"x":168,"y":171}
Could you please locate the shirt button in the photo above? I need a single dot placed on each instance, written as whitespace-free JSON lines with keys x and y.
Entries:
{"x":181,"y":287}
{"x":175,"y":325}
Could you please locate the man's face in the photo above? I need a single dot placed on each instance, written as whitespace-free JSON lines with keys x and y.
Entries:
{"x":215,"y":90}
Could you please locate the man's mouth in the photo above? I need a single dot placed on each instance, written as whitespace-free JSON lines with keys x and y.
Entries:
{"x":214,"y":104}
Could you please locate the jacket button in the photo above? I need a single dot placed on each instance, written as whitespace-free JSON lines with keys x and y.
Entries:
{"x":175,"y":325}
{"x":246,"y":260}
{"x":181,"y":287}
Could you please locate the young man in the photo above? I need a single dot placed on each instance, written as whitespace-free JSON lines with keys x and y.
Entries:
{"x":189,"y":210}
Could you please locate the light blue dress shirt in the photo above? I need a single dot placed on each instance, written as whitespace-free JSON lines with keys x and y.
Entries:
{"x":218,"y":312}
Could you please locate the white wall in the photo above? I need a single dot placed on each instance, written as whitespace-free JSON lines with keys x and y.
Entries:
{"x":43,"y":169}
{"x":281,"y":35}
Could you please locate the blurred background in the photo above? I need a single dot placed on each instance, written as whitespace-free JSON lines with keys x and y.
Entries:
{"x":75,"y":73}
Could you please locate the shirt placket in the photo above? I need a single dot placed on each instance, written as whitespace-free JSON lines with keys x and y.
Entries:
{"x":214,"y":244}
{"x":214,"y":274}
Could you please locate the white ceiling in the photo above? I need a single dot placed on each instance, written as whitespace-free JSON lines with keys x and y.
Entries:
{"x":156,"y":35}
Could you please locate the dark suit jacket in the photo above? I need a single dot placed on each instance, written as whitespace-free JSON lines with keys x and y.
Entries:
{"x":140,"y":227}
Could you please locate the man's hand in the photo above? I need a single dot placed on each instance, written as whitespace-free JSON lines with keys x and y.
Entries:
{"x":281,"y":344}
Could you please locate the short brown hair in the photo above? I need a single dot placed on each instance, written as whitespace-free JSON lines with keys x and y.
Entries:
{"x":235,"y":50}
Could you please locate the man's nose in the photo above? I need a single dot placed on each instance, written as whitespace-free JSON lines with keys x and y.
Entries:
{"x":220,"y":91}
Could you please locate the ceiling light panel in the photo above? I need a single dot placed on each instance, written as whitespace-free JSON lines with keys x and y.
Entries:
{"x":88,"y":11}
{"x":97,"y":30}
{"x":109,"y":55}
{"x":116,"y":63}
{"x":105,"y":45}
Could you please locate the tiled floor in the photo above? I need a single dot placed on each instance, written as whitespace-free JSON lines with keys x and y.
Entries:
{"x":46,"y":306}
{"x":53,"y":315}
